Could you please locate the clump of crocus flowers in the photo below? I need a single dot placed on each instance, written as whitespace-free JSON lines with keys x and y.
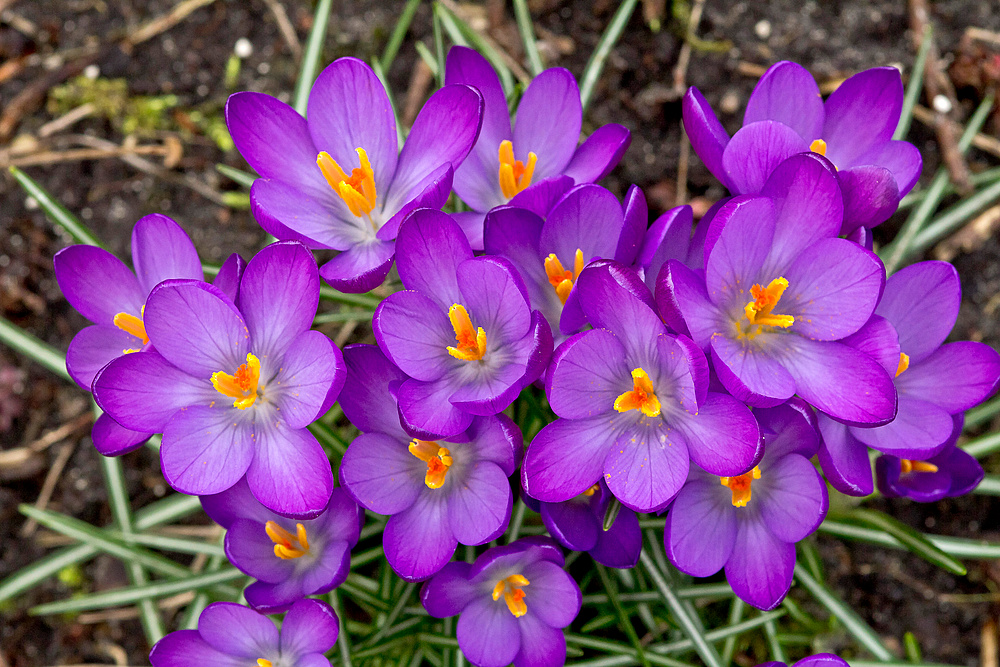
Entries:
{"x":688,"y":371}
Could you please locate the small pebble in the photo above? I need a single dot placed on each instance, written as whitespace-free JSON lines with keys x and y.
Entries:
{"x":730,"y":102}
{"x":91,"y":71}
{"x":763,"y":28}
{"x":942,"y":104}
{"x":243,"y":48}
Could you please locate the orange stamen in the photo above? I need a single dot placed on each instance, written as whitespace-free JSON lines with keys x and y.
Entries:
{"x":513,"y":595}
{"x":818,"y":146}
{"x":741,"y":486}
{"x":904,"y":363}
{"x":264,"y":662}
{"x":759,"y":310}
{"x":358,"y":189}
{"x":437,"y":458}
{"x":242,"y":385}
{"x":909,"y":465}
{"x":561,"y":279}
{"x":134,"y":326}
{"x":286,"y":545}
{"x":641,"y":397}
{"x":515,"y":176}
{"x":592,"y":490}
{"x":471,"y":342}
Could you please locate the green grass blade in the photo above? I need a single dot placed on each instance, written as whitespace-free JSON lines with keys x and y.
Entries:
{"x":981,"y":414}
{"x":595,"y":66}
{"x":853,"y":623}
{"x":990,"y":486}
{"x":953,"y":546}
{"x":462,"y":34}
{"x":193,"y":611}
{"x":914,"y":86}
{"x":429,"y":59}
{"x":172,"y":508}
{"x":398,"y":34}
{"x":527,"y":30}
{"x":43,"y":354}
{"x":771,"y":632}
{"x":720,"y":634}
{"x":368,"y":300}
{"x":982,"y":178}
{"x":952,"y":219}
{"x":621,"y":650}
{"x":736,"y":609}
{"x":181,"y":545}
{"x":984,"y":446}
{"x":243,"y":178}
{"x":328,"y":437}
{"x":312,"y":55}
{"x":56,"y":212}
{"x":624,"y":622}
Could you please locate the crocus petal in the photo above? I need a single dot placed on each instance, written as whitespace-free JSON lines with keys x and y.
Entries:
{"x":456,"y":107}
{"x":310,"y":626}
{"x":566,"y":458}
{"x":252,"y":550}
{"x":97,"y":284}
{"x":471,"y":224}
{"x":93,"y":347}
{"x":701,"y":527}
{"x":366,"y":400}
{"x":634,"y":228}
{"x":548,"y":121}
{"x":290,"y":473}
{"x":750,"y":373}
{"x":837,"y":379}
{"x":723,"y":436}
{"x":237,"y":630}
{"x":204,"y":452}
{"x":431,"y":246}
{"x":862,"y":113}
{"x":922,"y":301}
{"x":746,"y":231}
{"x":310,"y":378}
{"x":788,"y":94}
{"x":588,"y":218}
{"x":449,"y":592}
{"x":229,"y":275}
{"x":870,"y":196}
{"x":754,"y":152}
{"x":614,"y":298}
{"x":844,"y":459}
{"x":233,"y":504}
{"x":620,"y":546}
{"x":760,"y":567}
{"x":418,"y":542}
{"x":481,"y":505}
{"x":599,"y":153}
{"x":278,"y":296}
{"x":541,"y":644}
{"x":488,"y":633}
{"x":381,"y":474}
{"x":414,"y":333}
{"x":919,"y":431}
{"x":901,"y":158}
{"x":668,"y":238}
{"x":514,"y":233}
{"x":349,"y":109}
{"x":793,"y":500}
{"x":966,"y":471}
{"x":879,"y":340}
{"x":707,"y":136}
{"x":553,"y":596}
{"x":196,"y":328}
{"x":274,"y":139}
{"x":571,"y":523}
{"x":956,"y":377}
{"x":141,"y":391}
{"x":589,"y":375}
{"x":425,"y":407}
{"x":112,"y":439}
{"x":495,"y":297}
{"x":684,"y":303}
{"x":318,"y":221}
{"x":360,"y":268}
{"x":161,"y":250}
{"x":185,"y":648}
{"x":646,"y":466}
{"x":540,"y":197}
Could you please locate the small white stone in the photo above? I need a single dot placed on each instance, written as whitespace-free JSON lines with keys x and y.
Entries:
{"x":31,"y":203}
{"x":264,"y":68}
{"x":92,"y":71}
{"x":243,"y":48}
{"x":763,"y":28}
{"x":942,"y":104}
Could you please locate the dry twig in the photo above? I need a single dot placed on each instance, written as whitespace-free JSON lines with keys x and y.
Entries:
{"x":286,"y":28}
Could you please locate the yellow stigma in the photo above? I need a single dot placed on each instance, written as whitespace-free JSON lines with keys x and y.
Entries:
{"x":818,"y":146}
{"x":592,"y":490}
{"x":437,"y":458}
{"x":641,"y":397}
{"x":242,"y":385}
{"x":513,"y":595}
{"x":264,"y":662}
{"x":133,"y":326}
{"x":741,"y":486}
{"x":514,"y":174}
{"x":561,"y":279}
{"x":358,"y":189}
{"x":286,"y":545}
{"x":759,"y":310}
{"x":909,"y":465}
{"x":904,"y":363}
{"x":471,"y":341}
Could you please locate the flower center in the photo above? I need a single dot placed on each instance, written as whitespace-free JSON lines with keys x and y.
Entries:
{"x":641,"y":397}
{"x":133,"y":326}
{"x":759,"y":311}
{"x":513,"y":594}
{"x":741,"y":486}
{"x":437,"y":458}
{"x":471,"y":342}
{"x":242,"y":385}
{"x":818,"y":146}
{"x":358,"y":189}
{"x":286,"y":545}
{"x":514,"y":174}
{"x":561,"y":279}
{"x":904,"y":363}
{"x":909,"y":465}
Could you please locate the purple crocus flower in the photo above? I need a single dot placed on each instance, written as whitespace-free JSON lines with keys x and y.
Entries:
{"x":106,"y":292}
{"x":933,"y":381}
{"x":950,"y":473}
{"x":512,"y":603}
{"x":749,"y":524}
{"x":232,"y":388}
{"x":438,"y":492}
{"x":586,"y":224}
{"x":311,"y":190}
{"x":786,"y":115}
{"x":778,"y":292}
{"x":289,"y":559}
{"x":634,"y":405}
{"x":231,"y":635}
{"x":578,"y":524}
{"x":463,"y":330}
{"x":817,"y":660}
{"x":542,"y":145}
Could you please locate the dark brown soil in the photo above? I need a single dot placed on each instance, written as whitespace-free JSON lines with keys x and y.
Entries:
{"x":892,"y":590}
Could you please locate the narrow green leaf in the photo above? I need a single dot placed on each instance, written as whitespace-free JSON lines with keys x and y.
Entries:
{"x":985,"y":412}
{"x":984,"y":446}
{"x":624,"y":622}
{"x":243,"y":178}
{"x":429,"y":59}
{"x":982,"y":178}
{"x":720,"y":633}
{"x":912,"y":647}
{"x":811,"y":559}
{"x":516,"y":521}
{"x":771,"y":632}
{"x":312,"y":55}
{"x":914,"y":86}
{"x":344,"y":316}
{"x":847,"y":616}
{"x":56,"y":212}
{"x":952,"y":219}
{"x":398,"y":34}
{"x":990,"y":486}
{"x":42,"y":353}
{"x":595,"y":66}
{"x":611,"y":513}
{"x":620,"y":649}
{"x":328,"y":437}
{"x":181,"y":545}
{"x":953,"y":546}
{"x":368,"y":300}
{"x":736,"y":609}
{"x":913,"y":540}
{"x":193,"y":611}
{"x":462,"y":34}
{"x":527,"y":31}
{"x":343,"y":638}
{"x":397,"y":608}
